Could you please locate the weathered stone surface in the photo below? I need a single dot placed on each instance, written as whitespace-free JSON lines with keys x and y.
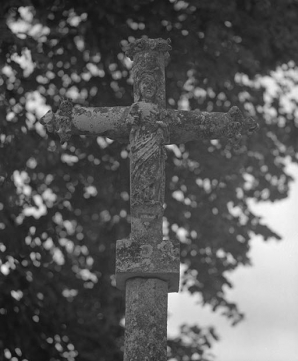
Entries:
{"x":106,"y":121}
{"x":150,"y":57}
{"x":61,"y":122}
{"x":147,"y":266}
{"x":116,"y":123}
{"x":148,"y":258}
{"x":148,"y":45}
{"x":145,"y":253}
{"x":148,"y":136}
{"x":146,"y":320}
{"x":185,"y":126}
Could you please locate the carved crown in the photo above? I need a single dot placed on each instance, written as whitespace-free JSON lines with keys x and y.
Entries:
{"x":146,"y":44}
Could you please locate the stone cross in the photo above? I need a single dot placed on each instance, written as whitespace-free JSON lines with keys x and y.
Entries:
{"x":147,"y":266}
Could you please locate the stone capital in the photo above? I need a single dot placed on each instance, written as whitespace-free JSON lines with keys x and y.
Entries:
{"x":147,"y":45}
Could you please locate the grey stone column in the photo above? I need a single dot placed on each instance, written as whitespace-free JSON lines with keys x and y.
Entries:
{"x":146,"y":319}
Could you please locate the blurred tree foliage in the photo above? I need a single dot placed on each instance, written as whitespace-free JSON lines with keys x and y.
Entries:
{"x":63,"y":207}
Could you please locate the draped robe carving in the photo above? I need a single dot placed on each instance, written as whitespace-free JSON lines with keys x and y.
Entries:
{"x":148,"y":155}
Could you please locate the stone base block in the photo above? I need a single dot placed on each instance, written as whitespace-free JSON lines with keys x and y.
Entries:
{"x":155,"y":260}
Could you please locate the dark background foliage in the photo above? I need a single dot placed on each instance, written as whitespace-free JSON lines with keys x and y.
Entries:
{"x":58,"y":299}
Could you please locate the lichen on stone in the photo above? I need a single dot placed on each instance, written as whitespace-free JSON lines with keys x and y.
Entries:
{"x":168,"y":250}
{"x":124,"y":243}
{"x":146,"y":250}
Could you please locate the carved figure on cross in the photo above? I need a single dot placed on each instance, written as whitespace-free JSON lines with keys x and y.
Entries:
{"x":147,"y":265}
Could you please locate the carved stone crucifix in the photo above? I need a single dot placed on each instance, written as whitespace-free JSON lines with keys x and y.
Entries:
{"x":147,"y":266}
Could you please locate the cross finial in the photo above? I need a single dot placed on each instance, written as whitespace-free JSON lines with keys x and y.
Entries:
{"x":146,"y":44}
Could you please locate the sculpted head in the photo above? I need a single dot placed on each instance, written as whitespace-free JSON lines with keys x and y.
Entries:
{"x":147,"y":88}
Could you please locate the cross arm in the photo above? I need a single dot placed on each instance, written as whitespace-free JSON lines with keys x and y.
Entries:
{"x":186,"y":126}
{"x":106,"y":121}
